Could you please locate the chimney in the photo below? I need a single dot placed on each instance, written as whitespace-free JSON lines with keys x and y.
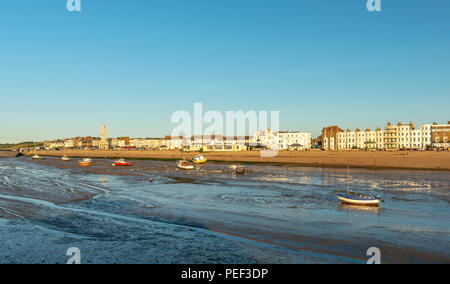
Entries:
{"x":389,"y":124}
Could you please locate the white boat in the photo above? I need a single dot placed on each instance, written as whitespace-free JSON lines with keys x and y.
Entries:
{"x":184,"y":165}
{"x":36,"y":157}
{"x":357,"y":199}
{"x":65,"y":158}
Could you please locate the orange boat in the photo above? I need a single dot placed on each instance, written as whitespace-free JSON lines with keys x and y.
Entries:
{"x":85,"y":162}
{"x":121,"y":163}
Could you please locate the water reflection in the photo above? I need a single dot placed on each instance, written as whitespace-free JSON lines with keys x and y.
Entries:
{"x":375,"y":210}
{"x":104,"y":181}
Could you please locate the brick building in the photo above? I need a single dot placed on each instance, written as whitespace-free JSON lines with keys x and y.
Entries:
{"x":440,"y":134}
{"x":330,"y":137}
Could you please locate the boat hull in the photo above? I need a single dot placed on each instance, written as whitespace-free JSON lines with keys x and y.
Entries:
{"x":186,"y":167}
{"x":363,"y":202}
{"x":85,"y":164}
{"x":199,"y":161}
{"x":122,"y":164}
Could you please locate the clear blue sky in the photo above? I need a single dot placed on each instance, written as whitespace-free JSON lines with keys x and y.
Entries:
{"x":131,"y":64}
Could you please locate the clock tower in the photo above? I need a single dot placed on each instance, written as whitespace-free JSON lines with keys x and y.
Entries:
{"x":104,"y":144}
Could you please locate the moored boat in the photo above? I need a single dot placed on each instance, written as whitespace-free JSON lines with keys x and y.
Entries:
{"x":199,"y":159}
{"x":86,"y":162}
{"x":358,"y":199}
{"x":184,"y":165}
{"x":65,"y":158}
{"x":36,"y":157}
{"x":239,"y":170}
{"x":121,"y":163}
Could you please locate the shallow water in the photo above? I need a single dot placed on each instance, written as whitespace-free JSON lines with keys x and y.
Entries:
{"x":271,"y":215}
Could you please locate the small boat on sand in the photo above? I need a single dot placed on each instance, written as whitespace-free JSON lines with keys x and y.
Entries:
{"x":199,"y":159}
{"x":184,"y":165}
{"x":121,"y":163}
{"x":36,"y":157}
{"x":239,"y":170}
{"x":86,"y":162}
{"x":65,"y":158}
{"x":357,"y":199}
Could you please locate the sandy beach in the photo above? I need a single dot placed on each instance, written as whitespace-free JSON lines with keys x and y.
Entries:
{"x":8,"y":154}
{"x":420,"y":160}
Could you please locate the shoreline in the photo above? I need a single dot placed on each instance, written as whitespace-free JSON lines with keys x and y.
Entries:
{"x":421,"y":161}
{"x":185,"y":185}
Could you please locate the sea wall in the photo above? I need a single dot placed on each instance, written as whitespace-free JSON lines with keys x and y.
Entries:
{"x":9,"y":154}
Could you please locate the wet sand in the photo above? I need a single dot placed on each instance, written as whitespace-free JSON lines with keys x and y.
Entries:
{"x":8,"y":154}
{"x":416,"y":160}
{"x":272,"y":215}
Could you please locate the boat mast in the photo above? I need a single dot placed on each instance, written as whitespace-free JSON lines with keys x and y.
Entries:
{"x":348,"y":177}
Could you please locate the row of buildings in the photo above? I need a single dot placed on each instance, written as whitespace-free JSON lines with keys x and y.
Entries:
{"x":266,"y":139}
{"x":392,"y":137}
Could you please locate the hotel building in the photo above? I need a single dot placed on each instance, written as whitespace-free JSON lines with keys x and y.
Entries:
{"x":368,"y":139}
{"x":282,"y":140}
{"x":294,"y":140}
{"x":330,"y":138}
{"x":393,"y":137}
{"x":440,"y":134}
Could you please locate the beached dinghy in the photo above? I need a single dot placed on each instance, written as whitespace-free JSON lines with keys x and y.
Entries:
{"x":357,"y":199}
{"x":121,"y":163}
{"x":239,"y":170}
{"x":199,"y":159}
{"x":185,"y":165}
{"x":86,"y":162}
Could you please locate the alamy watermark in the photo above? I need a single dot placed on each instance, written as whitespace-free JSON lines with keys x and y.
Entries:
{"x":75,"y":255}
{"x":375,"y":255}
{"x":73,"y":5}
{"x":374,"y":5}
{"x":233,"y":131}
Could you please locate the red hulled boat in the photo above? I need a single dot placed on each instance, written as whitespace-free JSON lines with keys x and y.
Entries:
{"x":121,"y":163}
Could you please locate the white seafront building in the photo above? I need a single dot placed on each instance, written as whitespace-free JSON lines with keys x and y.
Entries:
{"x":282,"y":140}
{"x":393,"y":137}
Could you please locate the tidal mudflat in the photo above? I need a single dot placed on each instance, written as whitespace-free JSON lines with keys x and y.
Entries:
{"x":271,"y":215}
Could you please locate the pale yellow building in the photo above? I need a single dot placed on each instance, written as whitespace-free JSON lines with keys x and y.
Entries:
{"x":103,"y":144}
